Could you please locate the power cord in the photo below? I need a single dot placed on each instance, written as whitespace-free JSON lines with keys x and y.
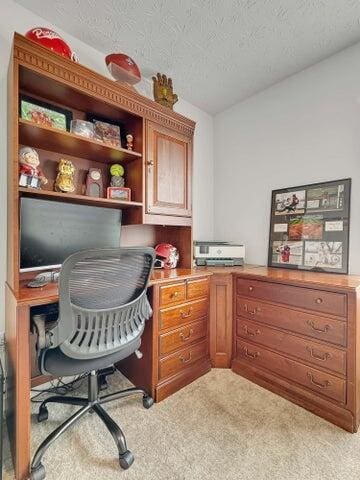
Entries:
{"x":59,"y":387}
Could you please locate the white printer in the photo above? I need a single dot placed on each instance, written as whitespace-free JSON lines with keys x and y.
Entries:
{"x":219,"y":254}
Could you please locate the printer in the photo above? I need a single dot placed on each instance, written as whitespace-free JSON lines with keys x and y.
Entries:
{"x":219,"y":254}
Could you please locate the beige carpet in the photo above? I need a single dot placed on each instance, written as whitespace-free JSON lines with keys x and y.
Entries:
{"x":219,"y":427}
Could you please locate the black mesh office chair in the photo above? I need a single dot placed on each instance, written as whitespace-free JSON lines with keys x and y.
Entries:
{"x":103,"y":308}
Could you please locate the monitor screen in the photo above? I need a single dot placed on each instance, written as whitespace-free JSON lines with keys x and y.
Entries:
{"x":51,"y":231}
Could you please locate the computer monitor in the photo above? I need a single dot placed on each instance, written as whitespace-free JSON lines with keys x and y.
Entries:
{"x":50,"y":231}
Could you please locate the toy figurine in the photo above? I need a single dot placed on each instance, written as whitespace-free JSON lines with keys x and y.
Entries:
{"x":129,"y":142}
{"x":65,"y":178}
{"x":117,"y":172}
{"x":31,"y":174}
{"x":163,"y":91}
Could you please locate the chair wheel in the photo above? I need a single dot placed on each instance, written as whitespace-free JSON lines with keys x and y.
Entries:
{"x":43,"y":414}
{"x":38,"y":473}
{"x":126,"y":460}
{"x":148,"y":401}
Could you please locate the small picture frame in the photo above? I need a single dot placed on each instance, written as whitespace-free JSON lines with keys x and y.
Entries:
{"x":44,"y":114}
{"x":119,"y":193}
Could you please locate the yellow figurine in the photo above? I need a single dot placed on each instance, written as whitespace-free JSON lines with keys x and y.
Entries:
{"x":163,"y":91}
{"x":65,"y":178}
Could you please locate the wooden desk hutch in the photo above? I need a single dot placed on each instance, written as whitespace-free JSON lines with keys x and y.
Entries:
{"x":158,"y":172}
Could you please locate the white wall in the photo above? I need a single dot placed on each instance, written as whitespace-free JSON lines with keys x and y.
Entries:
{"x":15,"y":18}
{"x":303,"y":130}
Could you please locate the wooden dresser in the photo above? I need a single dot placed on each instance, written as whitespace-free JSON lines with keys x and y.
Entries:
{"x":297,"y":334}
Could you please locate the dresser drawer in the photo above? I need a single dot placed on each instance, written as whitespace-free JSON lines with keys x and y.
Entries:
{"x":185,"y":313}
{"x":318,"y":300}
{"x":322,"y":383}
{"x":171,"y":294}
{"x":182,"y":359}
{"x":171,"y":341}
{"x":312,"y":325}
{"x":320,"y":355}
{"x":198,"y":288}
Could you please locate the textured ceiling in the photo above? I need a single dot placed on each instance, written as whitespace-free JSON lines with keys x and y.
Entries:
{"x":218,"y":52}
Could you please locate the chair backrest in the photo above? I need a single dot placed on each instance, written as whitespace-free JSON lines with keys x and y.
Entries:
{"x":103,"y":303}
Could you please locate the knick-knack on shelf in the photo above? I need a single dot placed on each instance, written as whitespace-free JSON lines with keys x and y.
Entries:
{"x":129,"y":141}
{"x":94,"y":184}
{"x":117,"y":178}
{"x":163,"y":91}
{"x":65,"y":178}
{"x":31,"y":174}
{"x":117,"y":191}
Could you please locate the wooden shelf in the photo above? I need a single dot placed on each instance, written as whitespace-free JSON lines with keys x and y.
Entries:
{"x":55,"y":140}
{"x":81,"y":199}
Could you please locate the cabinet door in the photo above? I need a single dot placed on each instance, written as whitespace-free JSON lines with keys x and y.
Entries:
{"x":221,"y":322}
{"x":168,"y":172}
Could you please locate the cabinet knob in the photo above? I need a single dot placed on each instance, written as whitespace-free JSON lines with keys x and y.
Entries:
{"x":150,"y":163}
{"x":174,"y":294}
{"x":251,"y":288}
{"x":319,"y":300}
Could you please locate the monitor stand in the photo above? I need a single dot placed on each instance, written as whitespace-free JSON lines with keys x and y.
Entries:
{"x":44,"y":278}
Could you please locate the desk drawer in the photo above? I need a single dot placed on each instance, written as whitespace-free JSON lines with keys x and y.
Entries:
{"x":312,"y":325}
{"x":322,"y":383}
{"x":182,"y":359}
{"x":168,"y":342}
{"x":318,"y":300}
{"x":198,"y":288}
{"x":171,"y":294}
{"x":319,"y":355}
{"x":188,"y":312}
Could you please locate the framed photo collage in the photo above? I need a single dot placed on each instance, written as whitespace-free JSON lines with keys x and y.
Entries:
{"x":309,"y":227}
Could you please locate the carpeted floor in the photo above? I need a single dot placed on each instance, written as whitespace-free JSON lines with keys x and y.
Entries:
{"x":219,"y":427}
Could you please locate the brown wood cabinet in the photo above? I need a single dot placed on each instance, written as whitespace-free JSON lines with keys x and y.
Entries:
{"x":175,"y":344}
{"x":221,"y":319}
{"x":168,"y":172}
{"x":299,"y":337}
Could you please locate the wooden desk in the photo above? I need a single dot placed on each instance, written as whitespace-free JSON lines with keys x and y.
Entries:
{"x":18,"y":336}
{"x":295,"y":333}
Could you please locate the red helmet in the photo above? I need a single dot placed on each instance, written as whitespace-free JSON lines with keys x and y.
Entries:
{"x":50,"y":39}
{"x":168,"y":254}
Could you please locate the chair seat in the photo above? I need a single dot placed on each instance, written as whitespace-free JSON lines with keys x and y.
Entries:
{"x":55,"y":362}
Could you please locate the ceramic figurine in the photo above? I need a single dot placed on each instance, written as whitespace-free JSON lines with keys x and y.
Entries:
{"x":31,"y":174}
{"x":129,"y":142}
{"x":163,"y":91}
{"x":65,"y":178}
{"x":117,"y":172}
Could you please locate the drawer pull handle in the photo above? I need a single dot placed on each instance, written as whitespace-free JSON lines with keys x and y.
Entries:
{"x":252,"y":311}
{"x":251,"y":288}
{"x":184,"y":338}
{"x":186,"y":314}
{"x":319,"y":300}
{"x":174,"y":294}
{"x":249,"y":354}
{"x":250,"y":332}
{"x":323,"y":358}
{"x":321,"y":330}
{"x":326,"y":384}
{"x":185,"y":360}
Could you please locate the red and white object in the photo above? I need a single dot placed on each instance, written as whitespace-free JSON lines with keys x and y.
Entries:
{"x":123,"y":68}
{"x":52,"y":40}
{"x":167,"y":254}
